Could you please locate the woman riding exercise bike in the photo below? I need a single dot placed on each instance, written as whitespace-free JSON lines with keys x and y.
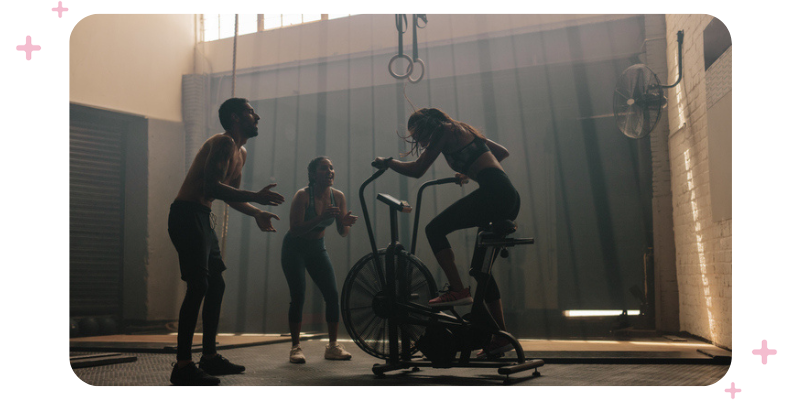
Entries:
{"x":472,"y":156}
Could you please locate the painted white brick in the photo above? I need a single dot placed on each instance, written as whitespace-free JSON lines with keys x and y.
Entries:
{"x":704,"y":266}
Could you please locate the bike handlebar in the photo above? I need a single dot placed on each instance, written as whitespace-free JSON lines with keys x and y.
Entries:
{"x":377,"y":165}
{"x":381,"y":170}
{"x":440,"y":182}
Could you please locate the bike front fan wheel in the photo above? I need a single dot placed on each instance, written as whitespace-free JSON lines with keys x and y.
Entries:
{"x":365,"y":307}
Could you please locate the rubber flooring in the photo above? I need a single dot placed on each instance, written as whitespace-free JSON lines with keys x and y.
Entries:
{"x":268,"y":365}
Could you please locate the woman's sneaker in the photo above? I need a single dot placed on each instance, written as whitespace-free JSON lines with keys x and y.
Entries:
{"x":190,"y":375}
{"x":219,"y":365}
{"x":450,"y":298}
{"x":336,"y":352}
{"x":296,"y":355}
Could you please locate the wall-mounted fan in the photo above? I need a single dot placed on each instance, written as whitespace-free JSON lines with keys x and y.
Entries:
{"x":639,"y":97}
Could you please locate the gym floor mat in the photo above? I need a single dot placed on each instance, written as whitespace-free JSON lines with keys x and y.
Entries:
{"x":167,"y":343}
{"x":94,"y":360}
{"x":268,"y":365}
{"x":651,"y":350}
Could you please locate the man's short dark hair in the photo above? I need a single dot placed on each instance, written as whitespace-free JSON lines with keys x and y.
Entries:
{"x":234,"y":105}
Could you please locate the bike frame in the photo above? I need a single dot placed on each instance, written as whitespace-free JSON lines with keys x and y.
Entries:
{"x":406,"y":312}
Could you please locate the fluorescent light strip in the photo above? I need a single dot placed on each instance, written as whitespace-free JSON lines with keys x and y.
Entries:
{"x":597,"y":313}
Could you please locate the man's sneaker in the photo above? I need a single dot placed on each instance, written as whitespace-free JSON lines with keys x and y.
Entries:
{"x":336,"y":352}
{"x":296,"y":355}
{"x":451,"y":298}
{"x":496,"y":348}
{"x":219,"y":365}
{"x":190,"y":375}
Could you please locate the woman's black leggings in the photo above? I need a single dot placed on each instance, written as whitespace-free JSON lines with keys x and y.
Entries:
{"x":495,"y":199}
{"x":299,"y":255}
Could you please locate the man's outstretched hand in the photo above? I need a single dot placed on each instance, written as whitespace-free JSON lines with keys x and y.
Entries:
{"x":267,"y":197}
{"x":264,"y":221}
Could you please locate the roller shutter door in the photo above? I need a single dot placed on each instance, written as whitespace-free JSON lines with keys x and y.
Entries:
{"x":97,"y":155}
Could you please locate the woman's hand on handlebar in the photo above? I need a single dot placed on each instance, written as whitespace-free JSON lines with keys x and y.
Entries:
{"x":381,"y":162}
{"x":462,"y":179}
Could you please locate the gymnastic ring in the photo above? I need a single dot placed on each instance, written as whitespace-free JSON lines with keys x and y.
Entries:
{"x":421,"y":64}
{"x":424,"y":18}
{"x":410,"y":66}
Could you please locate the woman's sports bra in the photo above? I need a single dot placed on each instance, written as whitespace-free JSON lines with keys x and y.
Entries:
{"x":311,"y":212}
{"x":461,"y":159}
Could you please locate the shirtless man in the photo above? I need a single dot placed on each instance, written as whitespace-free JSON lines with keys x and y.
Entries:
{"x":216,"y":173}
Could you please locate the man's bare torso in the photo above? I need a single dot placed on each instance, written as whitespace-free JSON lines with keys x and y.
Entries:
{"x":193,"y":188}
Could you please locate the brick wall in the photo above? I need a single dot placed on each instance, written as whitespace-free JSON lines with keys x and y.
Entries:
{"x":666,"y":282}
{"x":703,"y":254}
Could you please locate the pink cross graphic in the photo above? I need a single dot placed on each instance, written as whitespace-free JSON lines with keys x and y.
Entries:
{"x":60,"y":9}
{"x":28,"y":48}
{"x":764,"y":352}
{"x":733,"y":390}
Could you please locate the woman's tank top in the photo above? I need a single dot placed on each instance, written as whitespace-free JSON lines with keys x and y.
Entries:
{"x":311,"y":211}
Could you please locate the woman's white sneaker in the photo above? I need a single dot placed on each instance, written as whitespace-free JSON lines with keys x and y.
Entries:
{"x":336,"y":352}
{"x":296,"y":355}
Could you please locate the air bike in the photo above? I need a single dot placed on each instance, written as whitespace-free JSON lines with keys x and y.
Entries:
{"x":386,"y":293}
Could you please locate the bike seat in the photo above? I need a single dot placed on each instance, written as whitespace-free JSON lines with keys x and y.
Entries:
{"x":502,"y":227}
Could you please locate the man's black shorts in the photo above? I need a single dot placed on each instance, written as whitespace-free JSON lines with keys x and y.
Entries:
{"x":194,"y":238}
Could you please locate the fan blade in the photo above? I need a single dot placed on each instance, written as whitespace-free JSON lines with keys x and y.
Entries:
{"x":620,"y":113}
{"x":371,"y":330}
{"x":633,"y":123}
{"x":639,"y":85}
{"x":371,"y":286}
{"x":624,"y":90}
{"x":621,"y":95}
{"x":632,"y":85}
{"x":622,"y":105}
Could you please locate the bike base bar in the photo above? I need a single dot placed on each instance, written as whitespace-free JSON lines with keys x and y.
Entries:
{"x":505,"y":242}
{"x":504,"y":368}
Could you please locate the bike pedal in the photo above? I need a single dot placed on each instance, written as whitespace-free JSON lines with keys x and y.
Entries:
{"x":485,"y":357}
